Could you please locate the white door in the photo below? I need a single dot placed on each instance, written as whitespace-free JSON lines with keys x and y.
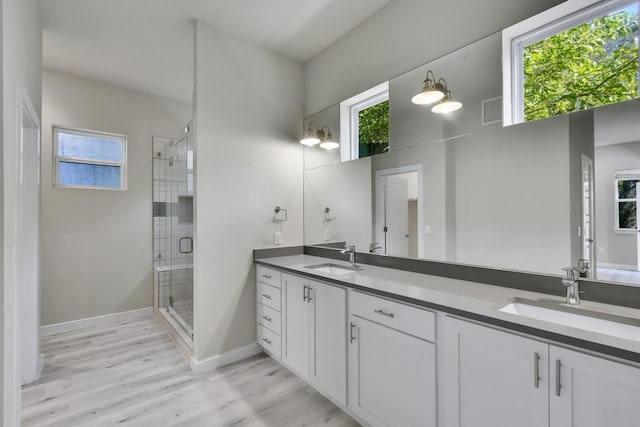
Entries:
{"x":28,"y":245}
{"x":588,"y":391}
{"x":392,"y":376}
{"x":328,"y":367}
{"x":493,"y":378}
{"x":296,"y":324}
{"x":588,"y":235}
{"x":397,"y":216}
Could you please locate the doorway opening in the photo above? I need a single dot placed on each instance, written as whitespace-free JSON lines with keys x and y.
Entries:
{"x":399,"y":212}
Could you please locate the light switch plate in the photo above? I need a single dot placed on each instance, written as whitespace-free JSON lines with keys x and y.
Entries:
{"x":327,"y":234}
{"x":427,"y":229}
{"x":277,"y":238}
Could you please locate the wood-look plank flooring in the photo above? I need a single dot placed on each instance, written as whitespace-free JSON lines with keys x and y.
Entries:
{"x":132,"y":374}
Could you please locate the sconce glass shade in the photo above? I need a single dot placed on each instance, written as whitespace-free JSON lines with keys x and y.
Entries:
{"x":329,"y":145}
{"x":431,"y":92}
{"x":310,"y":138}
{"x":447,"y":105}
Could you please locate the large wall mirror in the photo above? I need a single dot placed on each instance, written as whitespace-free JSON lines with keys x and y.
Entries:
{"x":461,"y":188}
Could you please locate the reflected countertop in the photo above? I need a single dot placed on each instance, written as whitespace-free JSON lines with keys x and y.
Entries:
{"x":474,"y":300}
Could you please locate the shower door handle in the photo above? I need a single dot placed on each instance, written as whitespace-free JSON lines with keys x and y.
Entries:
{"x":190,"y":240}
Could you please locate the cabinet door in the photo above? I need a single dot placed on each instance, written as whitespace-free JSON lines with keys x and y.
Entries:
{"x":328,"y":370}
{"x":490,"y":377}
{"x":296,"y":325}
{"x":593,"y":391}
{"x":392,"y":376}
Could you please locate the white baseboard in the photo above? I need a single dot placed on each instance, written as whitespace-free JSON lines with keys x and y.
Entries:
{"x":616,"y":266}
{"x":211,"y":363}
{"x":72,"y":325}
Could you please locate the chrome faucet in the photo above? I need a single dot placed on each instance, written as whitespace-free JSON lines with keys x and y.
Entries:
{"x":351,"y":250}
{"x":571,"y":283}
{"x":373,"y":247}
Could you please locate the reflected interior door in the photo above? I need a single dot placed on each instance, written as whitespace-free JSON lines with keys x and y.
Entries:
{"x":588,"y":241}
{"x":397,"y":216}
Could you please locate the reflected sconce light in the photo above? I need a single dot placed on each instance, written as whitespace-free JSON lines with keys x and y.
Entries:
{"x":447,"y":104}
{"x":327,"y":139}
{"x":431,"y":92}
{"x":311,"y":137}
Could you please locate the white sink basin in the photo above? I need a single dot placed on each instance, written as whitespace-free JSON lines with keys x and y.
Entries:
{"x":334,"y":269}
{"x":575,"y":317}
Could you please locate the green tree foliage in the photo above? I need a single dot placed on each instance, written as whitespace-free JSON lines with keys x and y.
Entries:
{"x":373,"y":129}
{"x":595,"y":63}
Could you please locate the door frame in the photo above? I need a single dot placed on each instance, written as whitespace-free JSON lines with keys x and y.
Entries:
{"x":587,"y":162}
{"x":381,"y":176}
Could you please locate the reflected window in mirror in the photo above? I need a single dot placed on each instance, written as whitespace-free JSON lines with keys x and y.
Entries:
{"x":626,"y":202}
{"x":365,"y":119}
{"x":571,"y":58}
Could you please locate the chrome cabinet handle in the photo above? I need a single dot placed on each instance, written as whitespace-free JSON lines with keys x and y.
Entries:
{"x":267,"y":318}
{"x":267,"y":296}
{"x":558,"y":386}
{"x":352,"y":336}
{"x":536,"y":370}
{"x":266,"y":276}
{"x":304,"y":293}
{"x":384,"y":313}
{"x":267,"y":340}
{"x":309,"y":289}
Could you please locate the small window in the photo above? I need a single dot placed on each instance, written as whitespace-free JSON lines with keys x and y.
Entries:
{"x":571,"y":58}
{"x":626,"y":203}
{"x":88,"y":159}
{"x":365,"y":119}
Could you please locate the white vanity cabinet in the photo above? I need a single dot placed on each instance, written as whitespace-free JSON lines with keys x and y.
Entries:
{"x":392,"y":362}
{"x":268,"y":310}
{"x":492,"y":378}
{"x":588,"y":391}
{"x":314,"y":330}
{"x":495,"y":378}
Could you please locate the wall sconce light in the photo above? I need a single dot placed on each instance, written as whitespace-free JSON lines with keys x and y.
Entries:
{"x":447,"y":104}
{"x":327,"y":139}
{"x":310,"y":137}
{"x":432,"y":91}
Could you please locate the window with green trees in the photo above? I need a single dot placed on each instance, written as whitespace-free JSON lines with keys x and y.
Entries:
{"x":373,"y":130}
{"x":592,"y":64}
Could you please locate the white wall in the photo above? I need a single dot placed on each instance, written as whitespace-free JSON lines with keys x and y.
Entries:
{"x":401,"y":36}
{"x":618,"y":248}
{"x":97,"y":244}
{"x":512,"y":197}
{"x":247,"y":160}
{"x":345,"y":189}
{"x":21,"y":61}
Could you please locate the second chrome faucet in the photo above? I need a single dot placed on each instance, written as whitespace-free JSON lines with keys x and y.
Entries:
{"x":351,"y":250}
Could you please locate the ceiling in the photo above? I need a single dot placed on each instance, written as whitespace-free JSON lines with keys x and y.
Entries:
{"x":147,"y":45}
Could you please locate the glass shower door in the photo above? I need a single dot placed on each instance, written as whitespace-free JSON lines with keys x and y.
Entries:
{"x":181,"y":188}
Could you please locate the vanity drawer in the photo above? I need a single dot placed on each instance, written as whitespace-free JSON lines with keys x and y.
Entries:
{"x":269,"y":318}
{"x":270,"y":341}
{"x":404,"y":318}
{"x":269,"y":276}
{"x":268,"y":295}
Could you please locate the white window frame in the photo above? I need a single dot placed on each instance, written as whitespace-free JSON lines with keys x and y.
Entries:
{"x":88,"y":133}
{"x":624,"y":175}
{"x":349,"y":110}
{"x":543,"y":25}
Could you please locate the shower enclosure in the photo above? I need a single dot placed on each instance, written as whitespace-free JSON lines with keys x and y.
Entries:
{"x":173,"y":231}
